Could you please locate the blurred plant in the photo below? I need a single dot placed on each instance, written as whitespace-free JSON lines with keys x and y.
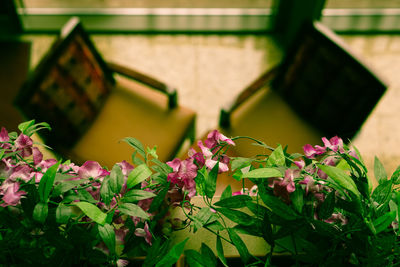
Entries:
{"x":319,"y":208}
{"x":59,"y":214}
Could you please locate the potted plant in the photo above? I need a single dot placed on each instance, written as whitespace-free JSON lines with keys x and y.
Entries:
{"x":318,"y":208}
{"x":56,"y":213}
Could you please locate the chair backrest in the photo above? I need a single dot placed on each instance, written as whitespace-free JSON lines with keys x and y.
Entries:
{"x":67,"y":88}
{"x":326,"y":84}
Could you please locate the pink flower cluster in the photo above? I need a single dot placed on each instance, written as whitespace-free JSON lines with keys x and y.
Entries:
{"x":184,"y":172}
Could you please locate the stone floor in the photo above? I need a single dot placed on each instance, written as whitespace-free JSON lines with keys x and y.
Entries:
{"x":209,"y":70}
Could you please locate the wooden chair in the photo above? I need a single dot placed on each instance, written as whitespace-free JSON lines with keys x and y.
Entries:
{"x":91,"y":105}
{"x":320,"y":89}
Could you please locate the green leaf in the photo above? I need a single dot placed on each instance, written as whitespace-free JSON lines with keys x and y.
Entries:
{"x":234,"y":202}
{"x":116,"y":179}
{"x":201,"y":181}
{"x":63,"y":214}
{"x":382,"y":192}
{"x":202,"y":217}
{"x":40,"y":212}
{"x":84,"y":195}
{"x":107,"y":234}
{"x":396,"y":176}
{"x":92,"y":212}
{"x":263,"y":173}
{"x":220,"y":251}
{"x":277,"y":157}
{"x":152,"y":152}
{"x":194,"y":258}
{"x":267,"y":232}
{"x":341,"y":178}
{"x":173,"y":255}
{"x":240,"y":245}
{"x":158,"y":200}
{"x":384,"y":221}
{"x":239,"y":163}
{"x":133,"y":210}
{"x":327,"y":207}
{"x":236,"y":216}
{"x":106,"y":192}
{"x":136,"y":195}
{"x":208,"y":255}
{"x":227,"y":193}
{"x":276,"y":205}
{"x":379,"y":171}
{"x":47,"y":181}
{"x":138,"y":175}
{"x":136,"y":144}
{"x":65,"y":186}
{"x":25,"y":125}
{"x":211,"y":181}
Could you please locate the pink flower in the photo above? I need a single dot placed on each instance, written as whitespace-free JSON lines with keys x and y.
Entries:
{"x":23,"y":172}
{"x":337,"y":218}
{"x":11,"y":194}
{"x":144,"y":233}
{"x":335,"y":144}
{"x":215,"y":137}
{"x":126,"y":167}
{"x":284,"y":186}
{"x":311,"y":185}
{"x":92,"y":169}
{"x":310,"y":151}
{"x":4,"y":139}
{"x":210,"y":161}
{"x":37,"y":155}
{"x":24,"y":144}
{"x":184,"y":172}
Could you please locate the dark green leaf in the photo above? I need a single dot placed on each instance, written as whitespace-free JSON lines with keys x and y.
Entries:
{"x":234,"y":202}
{"x":276,"y":205}
{"x":65,"y":186}
{"x":383,"y":222}
{"x":267,"y":232}
{"x":136,"y":144}
{"x":40,"y":212}
{"x":227,"y":193}
{"x":194,"y":258}
{"x":106,"y":192}
{"x":116,"y":179}
{"x":63,"y":214}
{"x":263,"y":173}
{"x":208,"y":255}
{"x":257,"y":209}
{"x":382,"y":192}
{"x":173,"y":255}
{"x":240,"y":245}
{"x":277,"y":157}
{"x":92,"y":212}
{"x":379,"y":171}
{"x":220,"y":251}
{"x":133,"y":210}
{"x":236,"y":216}
{"x":211,"y":181}
{"x":327,"y":207}
{"x":297,"y":198}
{"x":47,"y":181}
{"x":138,"y":175}
{"x":341,"y":178}
{"x":158,"y":200}
{"x":136,"y":195}
{"x":107,"y":234}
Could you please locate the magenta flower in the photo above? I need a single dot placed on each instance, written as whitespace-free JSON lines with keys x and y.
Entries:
{"x":310,"y":151}
{"x":24,"y":144}
{"x":92,"y":169}
{"x":23,"y":172}
{"x":210,"y":161}
{"x":4,"y":139}
{"x":215,"y":137}
{"x":144,"y":232}
{"x":184,"y":172}
{"x":126,"y":167}
{"x":11,"y":194}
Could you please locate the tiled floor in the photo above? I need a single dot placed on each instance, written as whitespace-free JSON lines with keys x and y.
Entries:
{"x":210,"y":70}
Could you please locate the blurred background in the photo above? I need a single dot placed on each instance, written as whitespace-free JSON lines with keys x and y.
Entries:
{"x":211,"y":49}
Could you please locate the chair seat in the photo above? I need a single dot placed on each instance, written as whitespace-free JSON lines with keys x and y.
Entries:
{"x":279,"y":124}
{"x":144,"y":110}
